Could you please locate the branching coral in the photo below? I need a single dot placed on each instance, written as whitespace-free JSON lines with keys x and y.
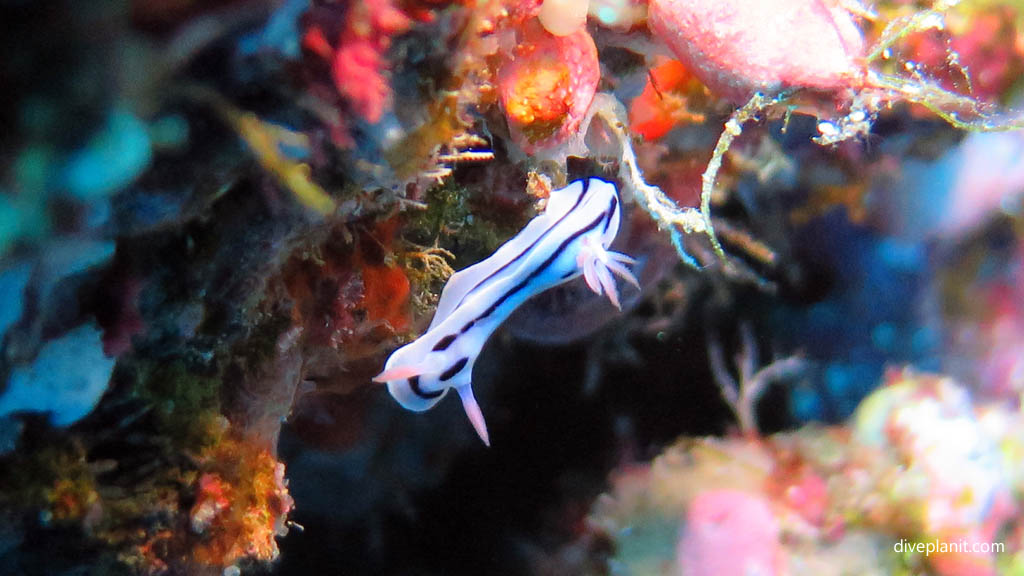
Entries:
{"x":742,"y":397}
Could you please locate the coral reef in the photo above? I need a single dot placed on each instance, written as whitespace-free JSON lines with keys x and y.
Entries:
{"x":219,"y":219}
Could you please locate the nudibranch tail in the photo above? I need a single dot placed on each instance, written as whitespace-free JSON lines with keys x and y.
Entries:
{"x":473,"y":412}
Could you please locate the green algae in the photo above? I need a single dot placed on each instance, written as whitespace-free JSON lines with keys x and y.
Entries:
{"x":186,"y":405}
{"x":450,"y":234}
{"x":452,"y":221}
{"x":54,"y":478}
{"x":262,"y":344}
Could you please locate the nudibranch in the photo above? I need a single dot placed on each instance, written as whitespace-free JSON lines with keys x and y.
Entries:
{"x":570,"y":238}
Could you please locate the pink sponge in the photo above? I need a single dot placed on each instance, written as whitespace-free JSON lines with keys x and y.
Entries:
{"x":737,"y":48}
{"x":729,"y":533}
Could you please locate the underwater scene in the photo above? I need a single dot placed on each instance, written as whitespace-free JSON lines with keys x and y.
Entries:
{"x":512,"y":287}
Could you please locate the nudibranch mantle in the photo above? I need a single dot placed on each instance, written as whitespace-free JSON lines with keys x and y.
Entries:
{"x":570,"y":238}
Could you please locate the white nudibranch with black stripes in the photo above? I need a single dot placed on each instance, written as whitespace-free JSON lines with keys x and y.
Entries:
{"x":570,"y":238}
